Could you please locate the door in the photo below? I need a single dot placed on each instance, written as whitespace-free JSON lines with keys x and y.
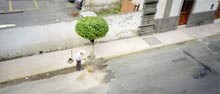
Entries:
{"x":218,"y":12}
{"x":127,"y":6}
{"x":185,"y":11}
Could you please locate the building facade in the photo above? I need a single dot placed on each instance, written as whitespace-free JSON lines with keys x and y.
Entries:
{"x":163,"y":15}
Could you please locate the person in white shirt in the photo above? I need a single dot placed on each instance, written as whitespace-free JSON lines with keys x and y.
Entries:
{"x":80,"y":56}
{"x":79,"y":4}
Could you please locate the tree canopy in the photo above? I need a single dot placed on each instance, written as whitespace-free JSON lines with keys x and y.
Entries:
{"x":92,"y":28}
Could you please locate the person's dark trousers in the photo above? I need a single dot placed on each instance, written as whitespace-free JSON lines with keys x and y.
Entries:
{"x":78,"y":65}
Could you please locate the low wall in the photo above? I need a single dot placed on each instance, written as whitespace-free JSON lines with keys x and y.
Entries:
{"x":201,"y":18}
{"x":166,"y":24}
{"x":98,"y":5}
{"x":24,"y":41}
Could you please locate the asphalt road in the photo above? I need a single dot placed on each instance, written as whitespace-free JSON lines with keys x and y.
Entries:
{"x":177,"y":69}
{"x":36,"y":12}
{"x":187,"y":68}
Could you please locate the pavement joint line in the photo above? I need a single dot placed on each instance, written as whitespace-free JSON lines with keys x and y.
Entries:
{"x":10,"y":5}
{"x":36,"y":4}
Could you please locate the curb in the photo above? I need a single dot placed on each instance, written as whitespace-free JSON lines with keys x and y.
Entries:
{"x":10,"y":12}
{"x":157,"y":47}
{"x":48,"y":74}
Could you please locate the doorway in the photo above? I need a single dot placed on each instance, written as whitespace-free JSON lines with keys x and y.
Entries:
{"x":185,"y":11}
{"x":217,"y":15}
{"x":127,"y":6}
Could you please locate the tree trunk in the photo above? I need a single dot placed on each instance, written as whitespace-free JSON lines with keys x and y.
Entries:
{"x":92,"y":55}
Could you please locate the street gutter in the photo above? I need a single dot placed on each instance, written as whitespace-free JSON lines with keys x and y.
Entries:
{"x":7,"y":25}
{"x":10,"y":12}
{"x":52,"y":73}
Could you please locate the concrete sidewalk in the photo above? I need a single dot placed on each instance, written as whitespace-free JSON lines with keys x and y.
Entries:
{"x":47,"y":62}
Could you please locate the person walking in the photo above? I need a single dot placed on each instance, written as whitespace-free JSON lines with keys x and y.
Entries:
{"x":80,"y":56}
{"x":79,"y":4}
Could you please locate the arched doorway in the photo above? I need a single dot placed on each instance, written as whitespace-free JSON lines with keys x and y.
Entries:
{"x":185,"y":11}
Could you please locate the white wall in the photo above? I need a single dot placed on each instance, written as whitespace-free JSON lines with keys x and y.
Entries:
{"x":161,"y":6}
{"x":176,"y":8}
{"x":205,"y":5}
{"x":30,"y":40}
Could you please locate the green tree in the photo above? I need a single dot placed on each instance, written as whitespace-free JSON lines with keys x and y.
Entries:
{"x":92,"y":28}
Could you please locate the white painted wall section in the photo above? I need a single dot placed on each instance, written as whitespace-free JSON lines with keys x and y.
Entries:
{"x":176,"y":8}
{"x":205,"y":5}
{"x":23,"y":41}
{"x":161,"y":6}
